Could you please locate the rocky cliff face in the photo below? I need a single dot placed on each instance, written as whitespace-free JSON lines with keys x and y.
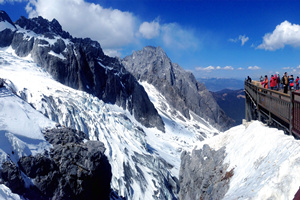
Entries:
{"x":203,"y":175}
{"x":80,"y":64}
{"x":179,"y":87}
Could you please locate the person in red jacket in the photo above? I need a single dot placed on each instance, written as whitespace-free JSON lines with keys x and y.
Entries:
{"x":272,"y":82}
{"x":297,"y":83}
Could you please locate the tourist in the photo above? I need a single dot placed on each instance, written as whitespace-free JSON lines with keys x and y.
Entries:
{"x":285,"y":82}
{"x":266,"y":82}
{"x":272,"y":82}
{"x":278,"y":83}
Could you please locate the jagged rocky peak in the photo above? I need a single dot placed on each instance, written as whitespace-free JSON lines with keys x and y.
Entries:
{"x":39,"y":25}
{"x":7,"y":29}
{"x":81,"y":64}
{"x":180,"y":88}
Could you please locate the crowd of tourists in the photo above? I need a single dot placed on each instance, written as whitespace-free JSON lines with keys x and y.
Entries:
{"x":276,"y":83}
{"x":287,"y":83}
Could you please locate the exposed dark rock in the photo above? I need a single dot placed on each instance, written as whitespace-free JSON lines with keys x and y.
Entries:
{"x":179,"y":87}
{"x":11,"y":176}
{"x":76,"y":169}
{"x":6,"y":37}
{"x":81,"y":64}
{"x":203,"y":175}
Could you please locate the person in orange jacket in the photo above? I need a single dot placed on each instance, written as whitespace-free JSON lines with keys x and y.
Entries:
{"x":266,"y":82}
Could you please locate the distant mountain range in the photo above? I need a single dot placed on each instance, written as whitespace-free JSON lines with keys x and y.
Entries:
{"x":218,"y":84}
{"x":232,"y":102}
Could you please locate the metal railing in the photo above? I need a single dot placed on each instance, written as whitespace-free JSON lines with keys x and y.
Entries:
{"x":280,"y":107}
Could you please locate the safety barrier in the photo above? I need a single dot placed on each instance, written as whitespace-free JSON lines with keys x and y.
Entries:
{"x":281,"y":108}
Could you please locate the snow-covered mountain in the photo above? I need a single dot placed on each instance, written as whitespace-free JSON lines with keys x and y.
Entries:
{"x":142,"y":149}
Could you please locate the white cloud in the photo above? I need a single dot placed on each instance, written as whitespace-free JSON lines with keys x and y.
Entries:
{"x":228,"y":68}
{"x":254,"y":68}
{"x":241,"y":38}
{"x":149,"y":30}
{"x":111,"y":27}
{"x":240,"y":68}
{"x":207,"y":69}
{"x":284,"y":34}
{"x":112,"y":52}
{"x":211,"y":68}
{"x":174,"y":36}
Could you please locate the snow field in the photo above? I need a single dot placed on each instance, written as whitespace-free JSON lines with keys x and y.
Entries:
{"x":266,"y":162}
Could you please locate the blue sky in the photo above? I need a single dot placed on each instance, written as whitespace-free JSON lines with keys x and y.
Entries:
{"x":227,"y":39}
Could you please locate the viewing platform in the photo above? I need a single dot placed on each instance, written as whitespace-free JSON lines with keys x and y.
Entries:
{"x":273,"y":107}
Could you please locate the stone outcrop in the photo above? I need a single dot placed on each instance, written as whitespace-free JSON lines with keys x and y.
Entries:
{"x":75,"y":168}
{"x":203,"y":175}
{"x":179,"y":87}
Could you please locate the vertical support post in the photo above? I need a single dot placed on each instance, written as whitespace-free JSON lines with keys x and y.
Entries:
{"x":257,"y":103}
{"x":246,"y":107}
{"x":269,"y":108}
{"x":291,"y":112}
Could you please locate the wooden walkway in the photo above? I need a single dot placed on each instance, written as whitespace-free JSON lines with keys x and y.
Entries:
{"x":273,"y":107}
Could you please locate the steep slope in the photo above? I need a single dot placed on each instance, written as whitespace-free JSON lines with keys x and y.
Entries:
{"x":232,"y":102}
{"x":179,"y":87}
{"x":80,"y":64}
{"x":245,"y":162}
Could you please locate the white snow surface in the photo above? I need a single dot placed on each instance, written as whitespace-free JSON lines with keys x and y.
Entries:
{"x":266,"y":162}
{"x":6,"y":194}
{"x":60,"y":56}
{"x":6,"y":25}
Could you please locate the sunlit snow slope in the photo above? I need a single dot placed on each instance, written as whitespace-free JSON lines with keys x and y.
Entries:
{"x":145,"y":161}
{"x":265,"y":162}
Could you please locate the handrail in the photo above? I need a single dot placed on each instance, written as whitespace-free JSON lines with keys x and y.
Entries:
{"x":285,"y":107}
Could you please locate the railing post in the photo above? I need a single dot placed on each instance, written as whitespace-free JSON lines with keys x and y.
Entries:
{"x":269,"y":108}
{"x":257,"y":103}
{"x":291,"y":112}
